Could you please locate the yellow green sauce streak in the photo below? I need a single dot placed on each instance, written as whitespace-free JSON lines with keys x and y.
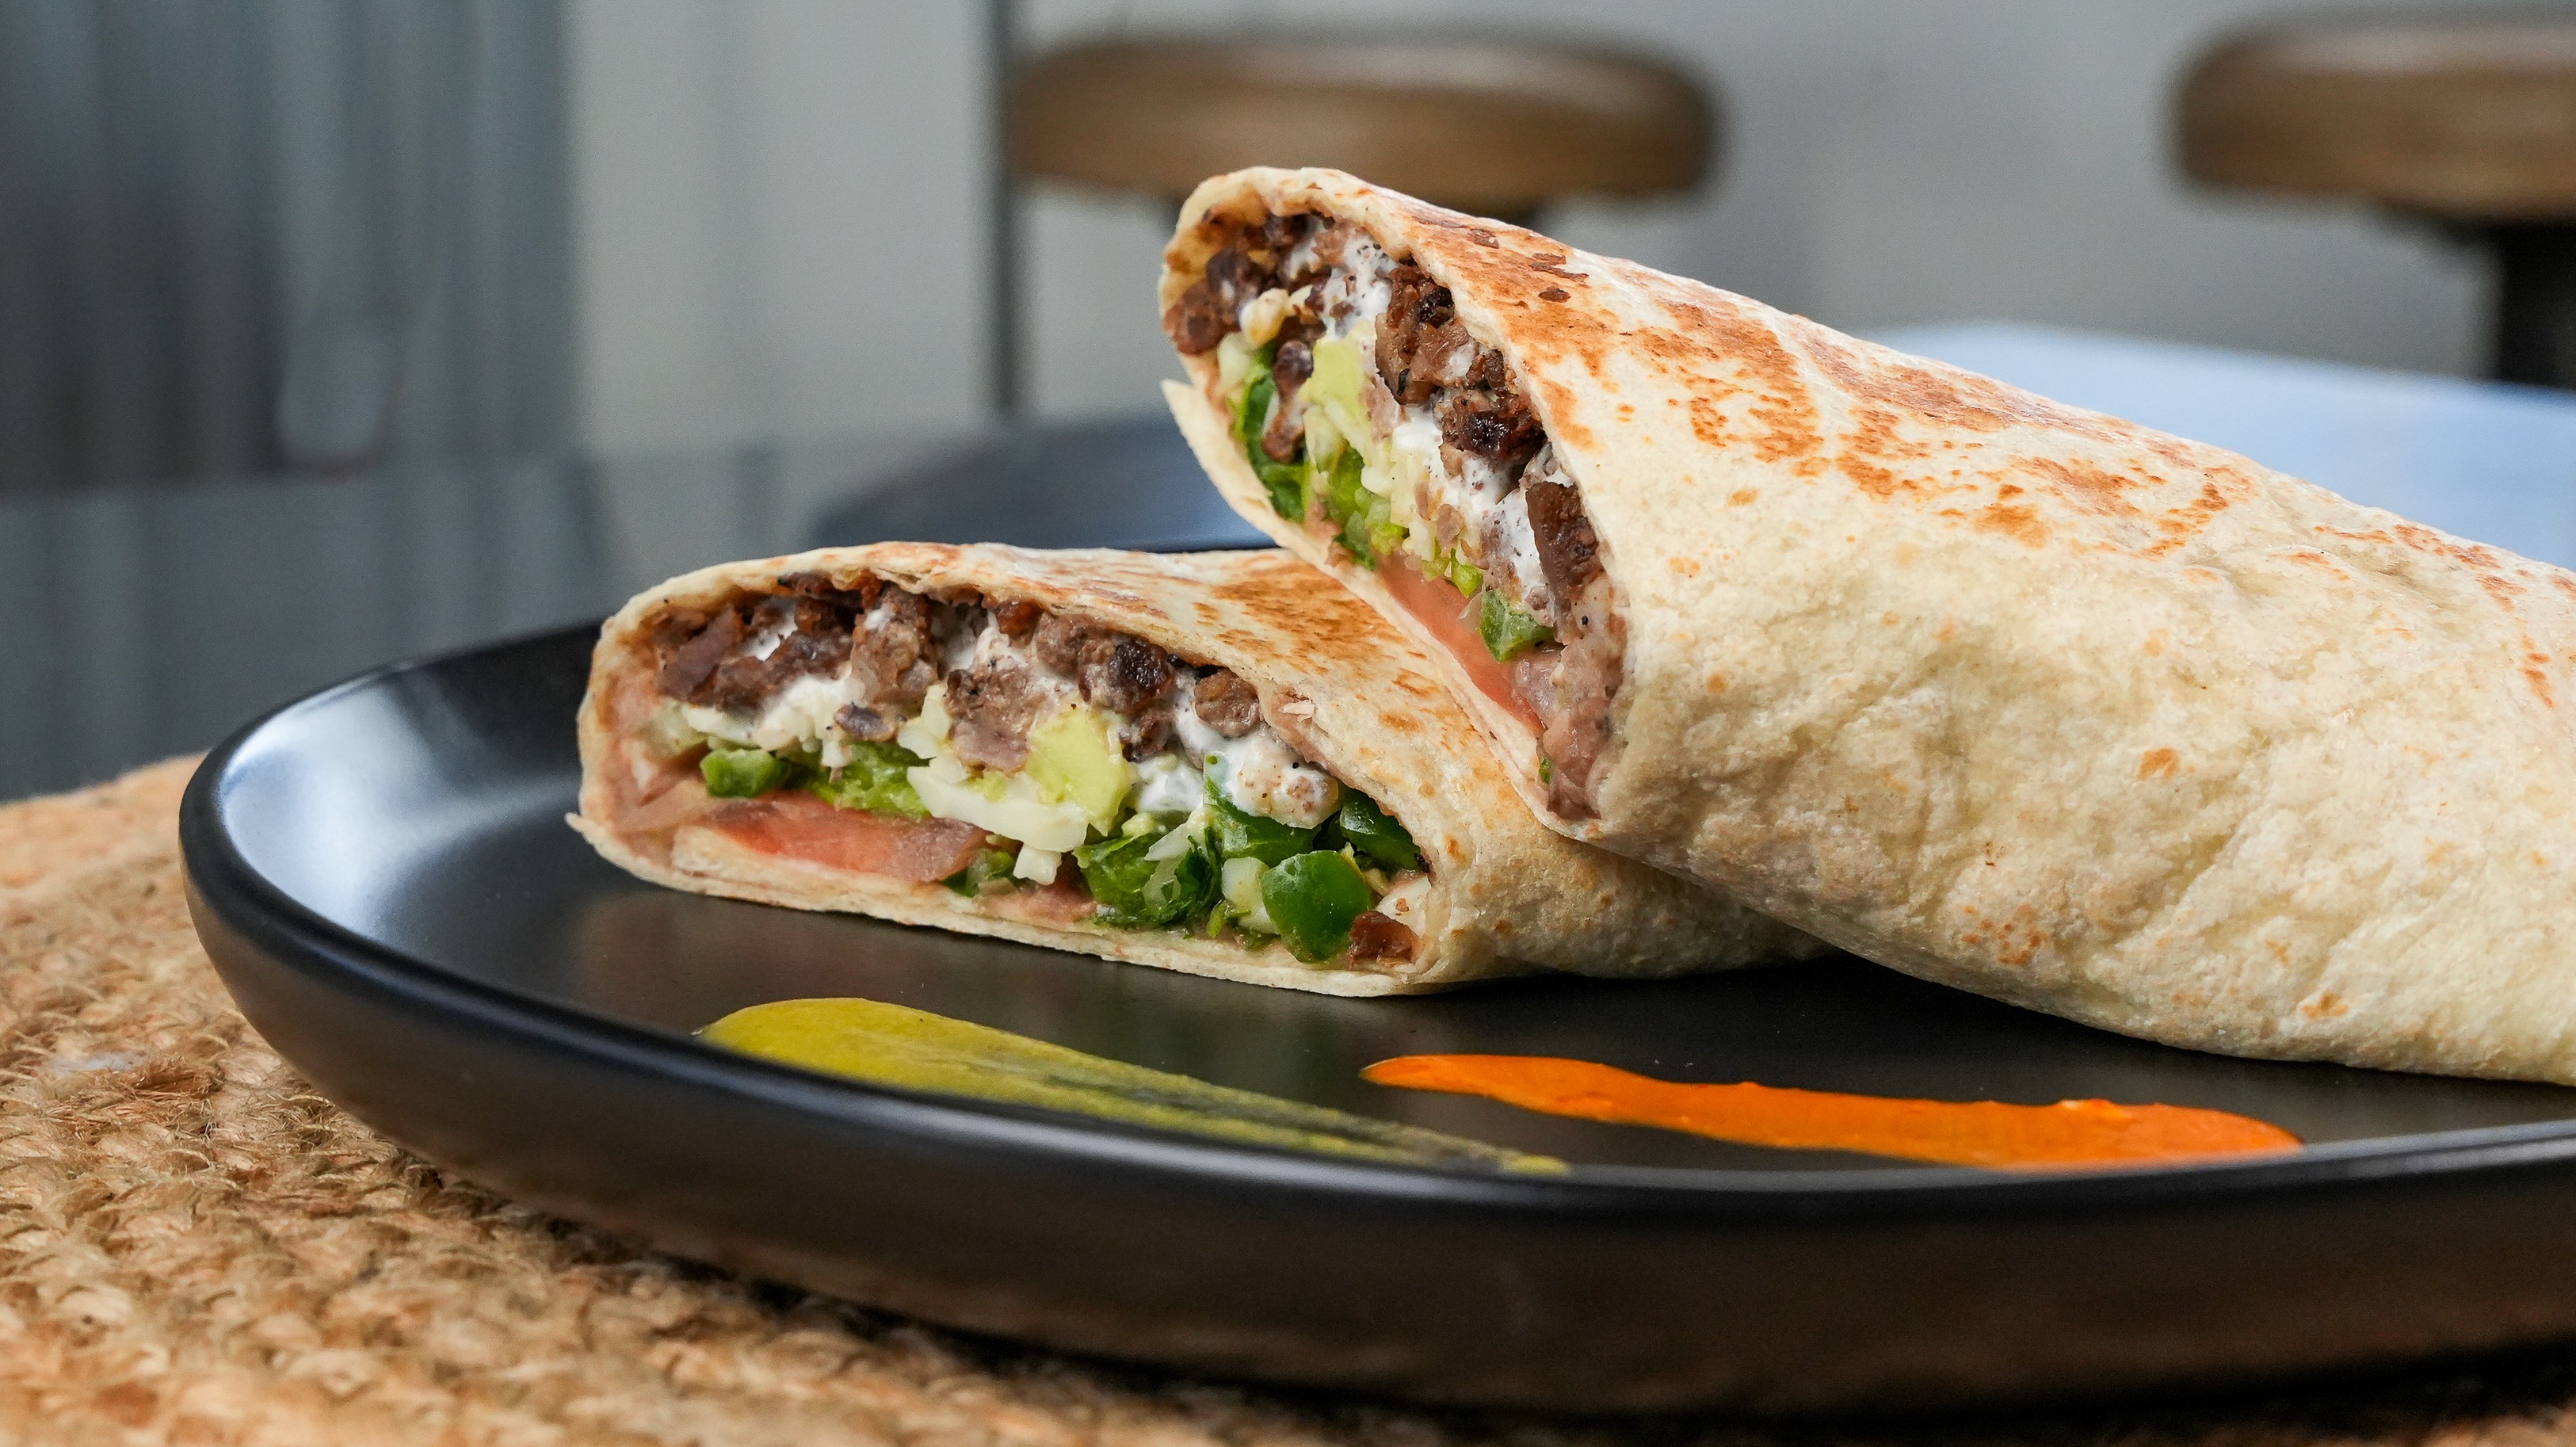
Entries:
{"x":915,"y":1050}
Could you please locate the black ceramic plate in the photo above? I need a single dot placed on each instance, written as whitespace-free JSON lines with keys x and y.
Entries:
{"x":382,"y":873}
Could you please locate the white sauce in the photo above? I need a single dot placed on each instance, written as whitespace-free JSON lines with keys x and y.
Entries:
{"x":1167,"y":784}
{"x":1262,"y":773}
{"x":1475,"y":488}
{"x":1520,"y":546}
{"x":1259,"y":772}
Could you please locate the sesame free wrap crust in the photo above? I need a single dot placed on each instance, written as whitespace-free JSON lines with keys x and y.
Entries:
{"x":1506,"y":896}
{"x":2010,"y":695}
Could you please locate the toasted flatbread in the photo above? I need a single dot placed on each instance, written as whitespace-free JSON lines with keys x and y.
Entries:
{"x":1505,"y":896}
{"x":2003,"y":693}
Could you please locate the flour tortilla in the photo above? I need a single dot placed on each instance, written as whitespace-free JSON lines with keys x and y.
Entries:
{"x":2014,"y":696}
{"x":1508,"y":897}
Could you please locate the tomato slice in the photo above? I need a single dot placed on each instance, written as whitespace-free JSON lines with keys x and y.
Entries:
{"x":800,"y":826}
{"x":1442,"y":610}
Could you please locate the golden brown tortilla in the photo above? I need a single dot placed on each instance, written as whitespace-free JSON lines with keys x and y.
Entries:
{"x":2015,"y":696}
{"x":1508,"y":897}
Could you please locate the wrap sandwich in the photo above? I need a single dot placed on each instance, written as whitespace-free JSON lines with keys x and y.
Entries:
{"x":1218,"y":763}
{"x":2001,"y":693}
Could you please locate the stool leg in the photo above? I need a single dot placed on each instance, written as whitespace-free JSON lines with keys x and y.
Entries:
{"x":2535,"y":315}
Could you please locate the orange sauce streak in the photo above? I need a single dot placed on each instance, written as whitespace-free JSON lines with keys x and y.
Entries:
{"x":1962,"y":1133}
{"x":1443,"y":610}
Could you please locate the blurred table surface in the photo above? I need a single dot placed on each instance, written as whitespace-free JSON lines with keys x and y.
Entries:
{"x":149,"y":620}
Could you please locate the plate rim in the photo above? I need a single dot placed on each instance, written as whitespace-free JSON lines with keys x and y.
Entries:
{"x":220,"y":877}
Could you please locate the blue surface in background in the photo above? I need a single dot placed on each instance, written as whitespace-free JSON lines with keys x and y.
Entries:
{"x":2485,"y":460}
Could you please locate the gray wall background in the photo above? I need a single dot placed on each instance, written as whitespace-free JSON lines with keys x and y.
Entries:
{"x":778,"y":227}
{"x":240,"y":235}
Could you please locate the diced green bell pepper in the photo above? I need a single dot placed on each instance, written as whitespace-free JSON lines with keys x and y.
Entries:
{"x":1373,"y":834}
{"x":1313,"y":898}
{"x":1139,"y":893}
{"x":1238,"y":834}
{"x":874,"y":780}
{"x":1466,"y":577}
{"x":1508,"y":628}
{"x":742,"y":773}
{"x":1284,"y":481}
{"x":989,"y":872}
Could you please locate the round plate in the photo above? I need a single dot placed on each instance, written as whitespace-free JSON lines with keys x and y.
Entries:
{"x":383,"y":875}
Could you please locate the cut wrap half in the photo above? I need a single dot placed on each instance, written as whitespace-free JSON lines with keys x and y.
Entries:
{"x":1218,"y":763}
{"x":2003,"y":693}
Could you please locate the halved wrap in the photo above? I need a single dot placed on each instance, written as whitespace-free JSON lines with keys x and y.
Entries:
{"x":1218,"y":763}
{"x":1999,"y":692}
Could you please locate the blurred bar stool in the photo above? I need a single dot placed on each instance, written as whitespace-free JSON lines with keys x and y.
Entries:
{"x":2470,"y":122}
{"x":1495,"y":126}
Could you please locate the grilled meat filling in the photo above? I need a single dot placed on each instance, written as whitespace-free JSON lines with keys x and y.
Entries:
{"x":1455,"y":475}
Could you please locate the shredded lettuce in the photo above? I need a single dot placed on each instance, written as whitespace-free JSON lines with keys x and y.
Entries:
{"x":1139,"y":891}
{"x":1284,"y":481}
{"x":1238,"y":834}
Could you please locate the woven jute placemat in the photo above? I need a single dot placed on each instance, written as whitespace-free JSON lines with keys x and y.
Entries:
{"x":195,"y":1248}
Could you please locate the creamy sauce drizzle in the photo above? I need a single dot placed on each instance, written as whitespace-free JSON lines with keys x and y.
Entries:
{"x":1964,"y":1133}
{"x":915,"y":1050}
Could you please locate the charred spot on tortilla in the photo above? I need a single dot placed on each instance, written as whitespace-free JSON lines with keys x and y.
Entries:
{"x":1372,"y":416}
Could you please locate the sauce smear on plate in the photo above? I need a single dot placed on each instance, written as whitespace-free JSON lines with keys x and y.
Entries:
{"x":1963,"y":1133}
{"x":887,"y":1044}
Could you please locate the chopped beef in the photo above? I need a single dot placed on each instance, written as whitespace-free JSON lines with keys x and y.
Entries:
{"x":864,"y":724}
{"x":694,"y":662}
{"x":1124,"y":675}
{"x":816,"y":585}
{"x":1227,"y":704}
{"x":1498,"y":427}
{"x":1198,"y":321}
{"x":1569,"y":552}
{"x":723,"y":668}
{"x":1207,"y":311}
{"x":1238,"y":277}
{"x":1443,"y":356}
{"x":819,"y":636}
{"x":1327,"y":243}
{"x":1016,"y":620}
{"x":1581,"y":685}
{"x":994,"y":705}
{"x":1280,"y":234}
{"x":1425,"y":360}
{"x":1376,"y":937}
{"x":1148,"y":733}
{"x":1447,"y":526}
{"x":892,"y":659}
{"x":1290,"y":366}
{"x":1058,"y":642}
{"x":1419,"y":311}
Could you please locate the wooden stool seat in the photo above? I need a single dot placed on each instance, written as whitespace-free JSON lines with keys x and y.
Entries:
{"x":2464,"y":120}
{"x":2470,"y":121}
{"x":1495,"y":127}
